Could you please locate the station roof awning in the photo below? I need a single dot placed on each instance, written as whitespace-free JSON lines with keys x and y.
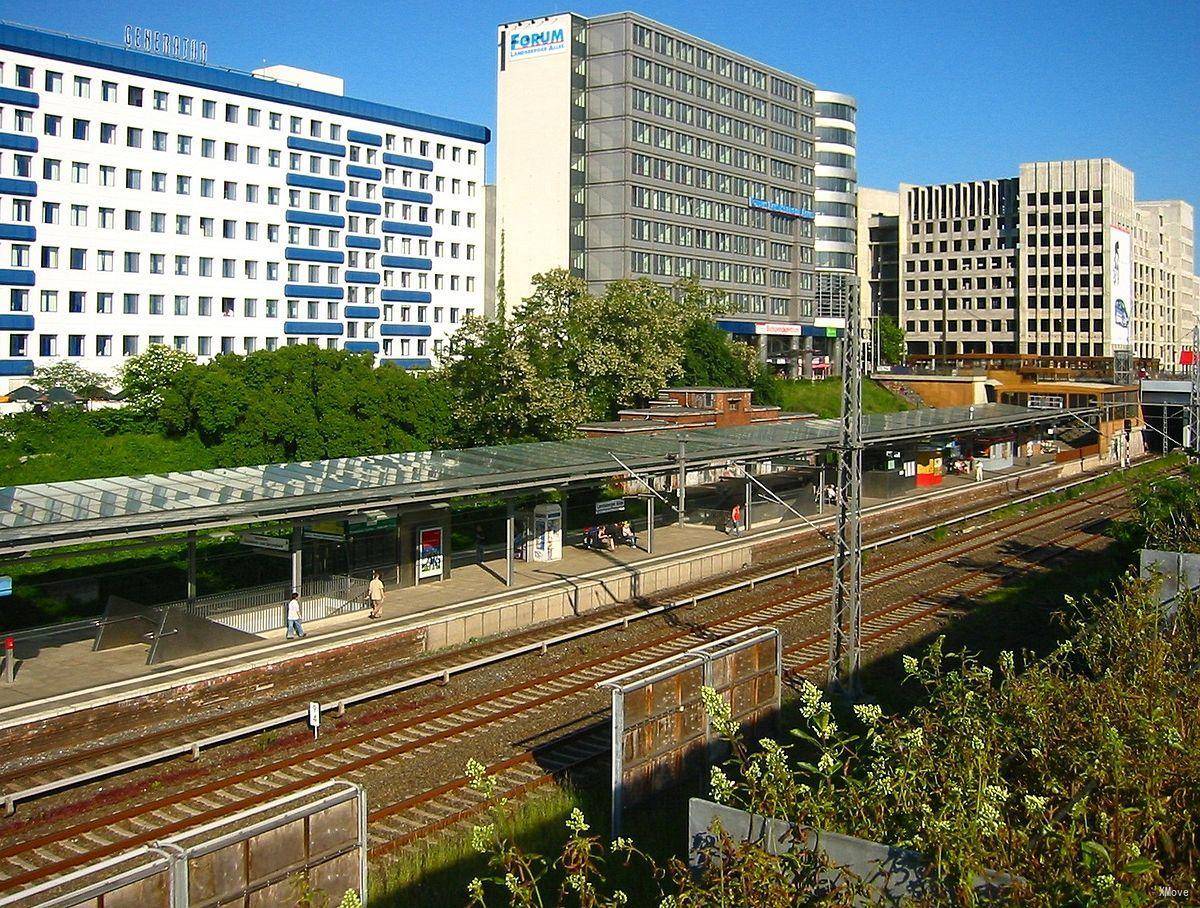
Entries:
{"x":50,"y":515}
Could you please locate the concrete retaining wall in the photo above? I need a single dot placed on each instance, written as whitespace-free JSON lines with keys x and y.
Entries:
{"x":584,"y":595}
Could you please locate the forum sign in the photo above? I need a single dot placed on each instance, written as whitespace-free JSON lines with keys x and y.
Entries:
{"x":538,"y":39}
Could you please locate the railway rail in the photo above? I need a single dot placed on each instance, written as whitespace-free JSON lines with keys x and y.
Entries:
{"x":54,"y":850}
{"x":76,"y":763}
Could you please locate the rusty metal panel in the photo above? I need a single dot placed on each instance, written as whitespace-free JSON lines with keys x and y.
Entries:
{"x":218,"y":875}
{"x":276,"y":851}
{"x":333,"y":829}
{"x":275,"y":895}
{"x":336,"y":875}
{"x":152,"y":892}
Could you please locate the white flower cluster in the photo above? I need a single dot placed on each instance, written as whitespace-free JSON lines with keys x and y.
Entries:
{"x":868,"y":713}
{"x":910,"y":665}
{"x":720,"y":786}
{"x":719,"y":713}
{"x":576,"y":822}
{"x":811,"y":699}
{"x":481,"y":837}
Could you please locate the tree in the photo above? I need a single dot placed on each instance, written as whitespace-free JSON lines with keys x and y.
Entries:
{"x":72,"y":376}
{"x":616,"y":349}
{"x":144,"y":378}
{"x":499,"y":396}
{"x":891,"y":340}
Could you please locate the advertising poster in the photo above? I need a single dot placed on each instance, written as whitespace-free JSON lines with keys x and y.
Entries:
{"x":429,"y":553}
{"x":1120,"y":263}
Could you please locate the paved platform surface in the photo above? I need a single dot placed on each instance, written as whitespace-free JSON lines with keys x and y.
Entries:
{"x":63,"y":672}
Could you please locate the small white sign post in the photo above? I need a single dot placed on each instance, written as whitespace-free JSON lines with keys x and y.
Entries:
{"x":314,"y":717}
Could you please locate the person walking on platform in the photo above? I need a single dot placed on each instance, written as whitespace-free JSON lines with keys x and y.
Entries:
{"x":294,"y":627}
{"x":375,"y":594}
{"x":735,"y":520}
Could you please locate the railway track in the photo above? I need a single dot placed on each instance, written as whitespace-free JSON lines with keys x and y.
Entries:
{"x":397,"y":826}
{"x":87,"y":751}
{"x":58,"y":846}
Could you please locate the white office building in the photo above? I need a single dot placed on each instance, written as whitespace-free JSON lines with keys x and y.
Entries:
{"x":146,"y":199}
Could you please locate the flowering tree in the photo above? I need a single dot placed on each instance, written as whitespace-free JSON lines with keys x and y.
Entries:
{"x":146,"y":377}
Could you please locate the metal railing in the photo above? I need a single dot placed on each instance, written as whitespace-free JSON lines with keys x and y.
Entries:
{"x":262,"y":608}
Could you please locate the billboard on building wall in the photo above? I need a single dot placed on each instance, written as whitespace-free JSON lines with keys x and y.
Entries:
{"x":537,"y":39}
{"x":1120,"y":264}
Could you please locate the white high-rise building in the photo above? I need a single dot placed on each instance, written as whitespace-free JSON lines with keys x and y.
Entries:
{"x":149,"y":199}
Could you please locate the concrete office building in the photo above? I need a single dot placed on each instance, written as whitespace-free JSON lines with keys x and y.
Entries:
{"x":147,"y":199}
{"x":1164,"y":261}
{"x":958,"y":272}
{"x":878,"y":260}
{"x":1039,"y":264}
{"x":629,"y":149}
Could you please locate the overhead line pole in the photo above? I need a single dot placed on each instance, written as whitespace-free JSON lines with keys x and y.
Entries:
{"x":845,"y":619}
{"x":1194,"y":400}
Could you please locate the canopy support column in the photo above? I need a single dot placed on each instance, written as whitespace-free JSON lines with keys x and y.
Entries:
{"x":509,"y":533}
{"x":295,"y":548}
{"x":682,"y":482}
{"x":191,"y":566}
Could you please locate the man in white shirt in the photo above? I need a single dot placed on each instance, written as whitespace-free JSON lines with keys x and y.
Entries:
{"x":294,"y":627}
{"x":375,"y":594}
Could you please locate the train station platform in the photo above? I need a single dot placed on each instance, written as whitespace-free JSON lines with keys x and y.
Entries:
{"x":59,"y":672}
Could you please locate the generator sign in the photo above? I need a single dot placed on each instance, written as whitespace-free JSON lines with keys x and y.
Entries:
{"x":539,"y":39}
{"x":161,"y":44}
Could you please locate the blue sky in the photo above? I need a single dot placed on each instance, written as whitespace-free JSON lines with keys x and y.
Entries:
{"x":946,"y":91}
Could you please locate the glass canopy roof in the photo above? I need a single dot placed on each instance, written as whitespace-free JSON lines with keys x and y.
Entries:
{"x":48,"y":514}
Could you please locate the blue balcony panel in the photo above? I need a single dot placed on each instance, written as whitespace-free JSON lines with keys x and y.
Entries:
{"x":10,"y":186}
{"x":14,"y":367}
{"x":16,"y":322}
{"x":363,"y":138}
{"x":405,"y":330}
{"x":19,"y":97}
{"x":307,"y":291}
{"x":301,"y":144}
{"x":362,"y":312}
{"x":354,"y":206}
{"x":361,"y":346}
{"x":18,"y":232}
{"x":362,"y":277}
{"x":315,"y":218}
{"x":407,"y":195}
{"x":363,"y":242}
{"x":331,"y":329}
{"x":417,"y":362}
{"x":16,"y":277}
{"x":406,"y":296}
{"x":407,"y":261}
{"x":410,"y":229}
{"x":403,"y":160}
{"x":305,"y":181}
{"x":18,"y":142}
{"x":296,"y":254}
{"x":364,"y":173}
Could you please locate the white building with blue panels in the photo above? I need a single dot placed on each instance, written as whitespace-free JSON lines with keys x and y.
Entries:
{"x":146,"y":200}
